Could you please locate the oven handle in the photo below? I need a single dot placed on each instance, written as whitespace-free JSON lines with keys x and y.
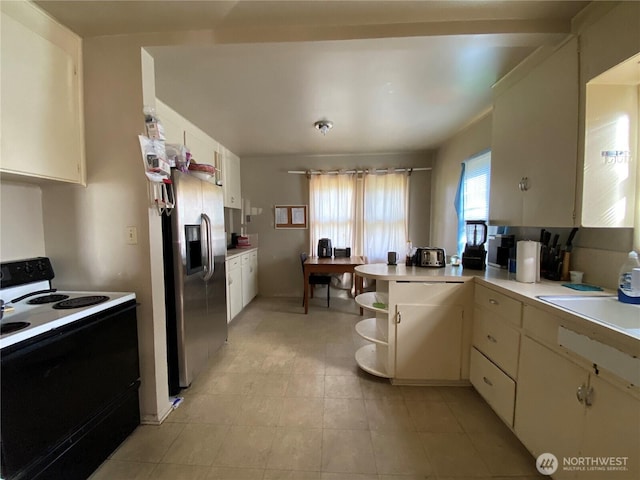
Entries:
{"x":31,"y":294}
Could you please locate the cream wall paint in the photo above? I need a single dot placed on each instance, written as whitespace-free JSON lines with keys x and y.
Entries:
{"x":446,"y":174}
{"x":22,"y":229}
{"x":265,"y":182}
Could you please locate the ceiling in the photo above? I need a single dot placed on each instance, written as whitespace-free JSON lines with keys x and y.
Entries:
{"x":392,"y":76}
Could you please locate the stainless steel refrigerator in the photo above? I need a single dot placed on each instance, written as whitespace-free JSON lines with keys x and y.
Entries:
{"x":194,"y":248}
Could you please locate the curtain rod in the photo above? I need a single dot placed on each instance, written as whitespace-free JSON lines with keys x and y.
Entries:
{"x":376,"y":170}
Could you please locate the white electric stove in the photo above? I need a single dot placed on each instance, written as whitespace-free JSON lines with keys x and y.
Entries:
{"x":32,"y":307}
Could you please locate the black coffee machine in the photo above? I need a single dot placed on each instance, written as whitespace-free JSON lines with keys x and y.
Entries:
{"x":324,"y":248}
{"x":474,"y":254}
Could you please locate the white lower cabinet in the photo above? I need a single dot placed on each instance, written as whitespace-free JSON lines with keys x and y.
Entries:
{"x":496,"y":345}
{"x":496,"y":387}
{"x":428,"y":342}
{"x":564,"y":409}
{"x":234,"y":288}
{"x":242,"y":281}
{"x":418,"y":334}
{"x":549,"y":417}
{"x":249,"y":277}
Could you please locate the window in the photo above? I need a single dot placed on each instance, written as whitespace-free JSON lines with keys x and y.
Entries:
{"x":472,"y":198}
{"x":368,"y":214}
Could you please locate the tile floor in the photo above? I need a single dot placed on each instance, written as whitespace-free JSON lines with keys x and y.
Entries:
{"x":284,"y":399}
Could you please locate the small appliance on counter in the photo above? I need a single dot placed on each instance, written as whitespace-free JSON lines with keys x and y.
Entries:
{"x":243,"y":242}
{"x":474,"y":254}
{"x":430,"y":257}
{"x":500,"y":247}
{"x":324,"y":248}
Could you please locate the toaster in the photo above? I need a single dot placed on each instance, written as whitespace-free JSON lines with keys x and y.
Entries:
{"x":430,"y":257}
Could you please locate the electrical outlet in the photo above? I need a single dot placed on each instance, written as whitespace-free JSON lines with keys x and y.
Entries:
{"x":132,"y":236}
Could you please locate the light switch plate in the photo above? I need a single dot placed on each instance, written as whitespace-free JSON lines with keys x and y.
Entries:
{"x":132,"y":236}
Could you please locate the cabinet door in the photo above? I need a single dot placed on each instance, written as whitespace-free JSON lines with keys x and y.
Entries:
{"x":549,"y":417}
{"x":41,"y":112}
{"x":173,"y":123}
{"x":428,"y":342}
{"x":612,"y":427}
{"x":231,"y":180}
{"x":551,"y":161}
{"x":202,"y":147}
{"x":254,"y":273}
{"x":534,"y":137}
{"x":246,"y":284}
{"x":234,"y":281}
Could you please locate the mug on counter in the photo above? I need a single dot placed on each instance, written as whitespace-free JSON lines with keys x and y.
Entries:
{"x":392,"y":258}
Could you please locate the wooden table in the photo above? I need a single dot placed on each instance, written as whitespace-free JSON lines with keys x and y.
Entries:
{"x":331,"y":265}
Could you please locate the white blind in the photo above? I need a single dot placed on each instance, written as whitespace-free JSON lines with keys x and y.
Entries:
{"x":476,"y":187}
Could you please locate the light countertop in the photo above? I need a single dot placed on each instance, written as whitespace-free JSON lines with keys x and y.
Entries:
{"x":234,"y":252}
{"x":528,"y":293}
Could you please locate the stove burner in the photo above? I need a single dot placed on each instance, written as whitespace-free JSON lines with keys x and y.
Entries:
{"x":80,"y":302}
{"x":56,"y":297}
{"x":11,"y":327}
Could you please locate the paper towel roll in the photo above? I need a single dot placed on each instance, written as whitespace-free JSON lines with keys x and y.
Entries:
{"x":528,"y":261}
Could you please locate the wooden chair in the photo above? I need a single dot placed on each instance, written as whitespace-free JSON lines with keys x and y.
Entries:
{"x":316,"y":279}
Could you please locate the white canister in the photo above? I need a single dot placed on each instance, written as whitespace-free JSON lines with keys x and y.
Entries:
{"x":528,"y":261}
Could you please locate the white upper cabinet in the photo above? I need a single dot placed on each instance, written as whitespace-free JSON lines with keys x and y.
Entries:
{"x":204,"y":149}
{"x":534,"y":142}
{"x":41,"y":113}
{"x":172,"y":122}
{"x":231,"y":180}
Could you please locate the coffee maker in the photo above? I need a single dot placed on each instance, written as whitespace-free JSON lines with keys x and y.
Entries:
{"x":474,"y":254}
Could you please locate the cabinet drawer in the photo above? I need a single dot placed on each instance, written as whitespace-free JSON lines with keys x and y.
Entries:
{"x":497,"y":340}
{"x":500,"y":304}
{"x":233,"y":263}
{"x":541,"y":324}
{"x":246,"y":259}
{"x":494,"y":385}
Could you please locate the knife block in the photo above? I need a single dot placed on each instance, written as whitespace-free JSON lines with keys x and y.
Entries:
{"x":565,"y":267}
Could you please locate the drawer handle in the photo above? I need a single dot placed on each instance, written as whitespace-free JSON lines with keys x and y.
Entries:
{"x":487,"y":381}
{"x":492,"y":339}
{"x":493,"y":302}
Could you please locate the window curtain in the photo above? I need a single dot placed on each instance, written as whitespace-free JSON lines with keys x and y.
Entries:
{"x":459,"y":205}
{"x":332,"y":210}
{"x":385,"y":215}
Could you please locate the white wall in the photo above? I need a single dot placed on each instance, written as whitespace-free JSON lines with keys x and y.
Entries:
{"x":21,"y":226}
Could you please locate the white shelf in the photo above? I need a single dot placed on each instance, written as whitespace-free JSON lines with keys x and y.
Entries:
{"x":366,"y":300}
{"x":367,"y":358}
{"x":368,"y":330}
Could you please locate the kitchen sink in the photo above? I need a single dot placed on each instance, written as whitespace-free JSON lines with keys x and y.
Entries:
{"x":603,"y":309}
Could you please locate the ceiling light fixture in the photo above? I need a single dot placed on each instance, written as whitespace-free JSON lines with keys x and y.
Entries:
{"x":323,"y":126}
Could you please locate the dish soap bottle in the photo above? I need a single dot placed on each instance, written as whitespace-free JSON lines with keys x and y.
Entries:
{"x":626,"y":293}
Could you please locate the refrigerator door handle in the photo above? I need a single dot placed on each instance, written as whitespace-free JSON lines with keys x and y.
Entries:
{"x":209,"y":266}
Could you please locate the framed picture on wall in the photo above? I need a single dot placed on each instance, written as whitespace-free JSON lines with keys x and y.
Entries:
{"x":290,"y":216}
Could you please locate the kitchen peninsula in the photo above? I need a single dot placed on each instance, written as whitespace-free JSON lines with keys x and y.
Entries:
{"x":546,"y":370}
{"x":421,"y":328}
